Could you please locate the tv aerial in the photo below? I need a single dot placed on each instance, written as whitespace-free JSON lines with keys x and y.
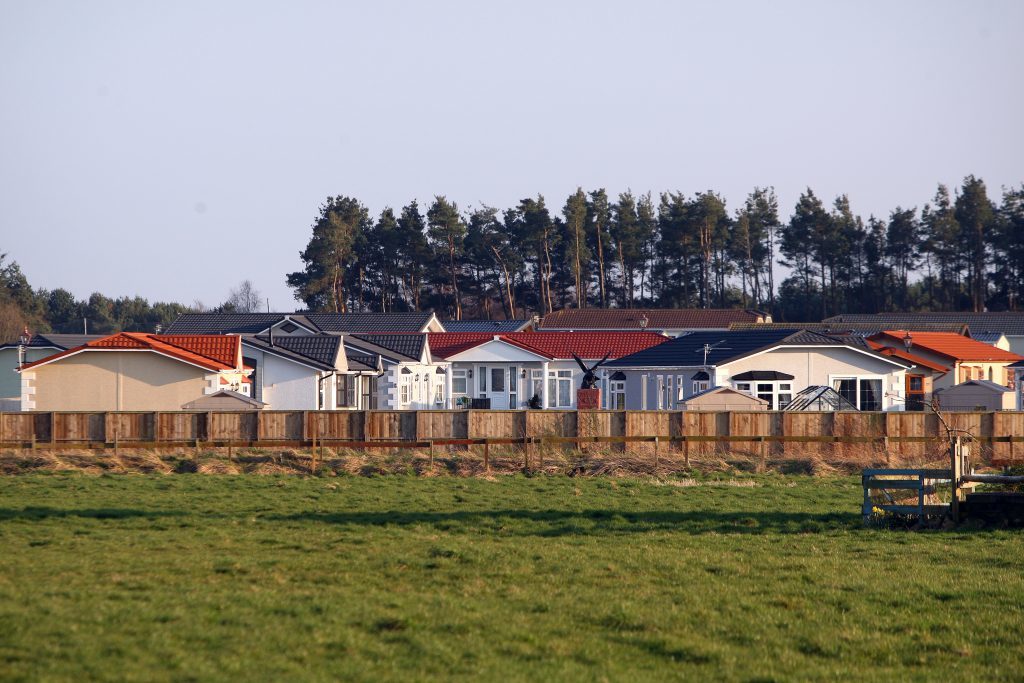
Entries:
{"x":708,"y":348}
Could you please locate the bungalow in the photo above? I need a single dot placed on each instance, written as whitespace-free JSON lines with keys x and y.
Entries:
{"x":344,"y":371}
{"x":957,"y":359}
{"x":671,"y":322}
{"x":1008,"y":323}
{"x":135,"y":371}
{"x":772,"y":365}
{"x":529,"y":369}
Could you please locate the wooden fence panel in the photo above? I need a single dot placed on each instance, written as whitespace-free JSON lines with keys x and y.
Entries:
{"x":594,"y":423}
{"x":129,"y":427}
{"x":859,"y":425}
{"x":806,"y":424}
{"x":647,"y":423}
{"x":701,"y":423}
{"x":496,"y":424}
{"x":180,"y":426}
{"x":18,"y":426}
{"x":225,"y":426}
{"x":333,"y":425}
{"x":79,"y":427}
{"x":281,"y":425}
{"x":442,"y":424}
{"x":754,"y":423}
{"x":1008,"y":424}
{"x":911,"y":424}
{"x":541,"y":423}
{"x":385,"y":425}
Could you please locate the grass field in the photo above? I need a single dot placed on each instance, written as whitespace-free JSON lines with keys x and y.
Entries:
{"x":192,"y":577}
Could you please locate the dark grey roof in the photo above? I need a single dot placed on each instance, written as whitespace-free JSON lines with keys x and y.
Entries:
{"x":496,"y":326}
{"x":819,"y":398}
{"x":1009,"y":323}
{"x":360,"y":360}
{"x":369,"y":322}
{"x":984,"y":383}
{"x":761,"y":375}
{"x":688,"y":350}
{"x":1018,"y":364}
{"x":223,"y":323}
{"x":847,"y":327}
{"x":318,"y":350}
{"x":47,"y":340}
{"x":254,"y":323}
{"x":408,"y":345}
{"x":987,"y":337}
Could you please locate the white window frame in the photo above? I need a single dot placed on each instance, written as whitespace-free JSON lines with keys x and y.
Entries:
{"x":659,"y":393}
{"x":680,"y":384}
{"x":404,"y":392}
{"x":616,"y":390}
{"x":700,"y":385}
{"x":536,"y":385}
{"x":460,"y":374}
{"x":882,"y":378}
{"x":555,"y":379}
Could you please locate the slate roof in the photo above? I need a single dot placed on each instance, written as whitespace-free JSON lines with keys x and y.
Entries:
{"x":492,"y":326}
{"x":223,"y":323}
{"x":853,"y":328}
{"x":48,"y":340}
{"x":561,"y":345}
{"x":1009,"y":323}
{"x":361,"y":361}
{"x":688,"y":350}
{"x":952,"y":346}
{"x":214,"y":352}
{"x":254,"y":323}
{"x":657,"y":319}
{"x":318,"y":350}
{"x":408,"y":345}
{"x":368,"y":322}
{"x":987,"y":337}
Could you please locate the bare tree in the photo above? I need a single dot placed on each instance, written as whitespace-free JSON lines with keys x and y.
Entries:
{"x":244,"y":298}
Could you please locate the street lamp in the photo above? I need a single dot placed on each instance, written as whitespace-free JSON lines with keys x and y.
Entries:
{"x":23,"y":341}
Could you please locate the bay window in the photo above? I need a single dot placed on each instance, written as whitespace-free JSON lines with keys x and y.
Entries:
{"x":863,"y":392}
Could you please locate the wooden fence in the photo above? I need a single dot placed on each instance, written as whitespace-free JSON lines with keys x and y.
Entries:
{"x":903,"y":434}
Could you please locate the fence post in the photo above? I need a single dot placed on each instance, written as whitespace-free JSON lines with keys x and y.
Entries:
{"x":487,"y":456}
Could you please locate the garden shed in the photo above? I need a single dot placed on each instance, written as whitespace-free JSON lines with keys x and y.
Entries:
{"x":976,"y":394}
{"x":723,"y":398}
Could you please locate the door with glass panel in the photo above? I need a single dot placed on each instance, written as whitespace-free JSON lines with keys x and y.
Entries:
{"x":492,"y":383}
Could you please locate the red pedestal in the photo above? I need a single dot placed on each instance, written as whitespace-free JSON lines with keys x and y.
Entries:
{"x":588,"y":399}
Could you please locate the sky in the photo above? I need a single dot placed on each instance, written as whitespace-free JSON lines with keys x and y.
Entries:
{"x":173,"y":149}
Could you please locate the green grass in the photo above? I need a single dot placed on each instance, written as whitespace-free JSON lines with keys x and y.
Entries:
{"x":191,"y":577}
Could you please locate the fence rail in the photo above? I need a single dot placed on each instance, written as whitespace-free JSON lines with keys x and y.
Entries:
{"x":903,"y":434}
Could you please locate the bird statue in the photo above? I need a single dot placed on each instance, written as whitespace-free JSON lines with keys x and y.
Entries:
{"x":589,"y":378}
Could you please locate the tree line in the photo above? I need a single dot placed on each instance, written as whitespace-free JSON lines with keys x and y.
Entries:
{"x":960,"y":251}
{"x":58,"y":310}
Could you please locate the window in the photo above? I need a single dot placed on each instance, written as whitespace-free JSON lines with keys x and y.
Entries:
{"x":288,"y":328}
{"x":660,"y":392}
{"x":785,"y":394}
{"x":702,"y":385}
{"x":617,"y":395}
{"x":744,"y":387}
{"x":870,"y":394}
{"x":679,"y":388}
{"x":560,"y":388}
{"x":863,"y":392}
{"x":403,"y":392}
{"x":369,"y":387}
{"x":460,"y":384}
{"x":482,"y":379}
{"x":346,"y":391}
{"x":497,"y":379}
{"x":439,"y":394}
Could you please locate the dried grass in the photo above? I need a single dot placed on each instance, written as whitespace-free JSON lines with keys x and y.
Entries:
{"x":670,"y":461}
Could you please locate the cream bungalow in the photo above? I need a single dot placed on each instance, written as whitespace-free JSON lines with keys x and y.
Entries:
{"x":772,"y":365}
{"x":962,"y":358}
{"x":135,"y":371}
{"x":528,"y":369}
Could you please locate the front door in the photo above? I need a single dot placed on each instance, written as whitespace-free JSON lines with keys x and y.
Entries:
{"x":492,"y":383}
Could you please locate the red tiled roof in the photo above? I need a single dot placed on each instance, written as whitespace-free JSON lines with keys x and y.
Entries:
{"x":590,"y":345}
{"x":953,"y":346}
{"x":214,"y":352}
{"x":900,"y":353}
{"x":657,"y":319}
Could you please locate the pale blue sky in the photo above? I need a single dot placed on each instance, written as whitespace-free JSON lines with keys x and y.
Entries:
{"x":171,"y":149}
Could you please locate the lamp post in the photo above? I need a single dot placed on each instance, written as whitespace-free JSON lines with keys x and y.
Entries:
{"x":23,"y":342}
